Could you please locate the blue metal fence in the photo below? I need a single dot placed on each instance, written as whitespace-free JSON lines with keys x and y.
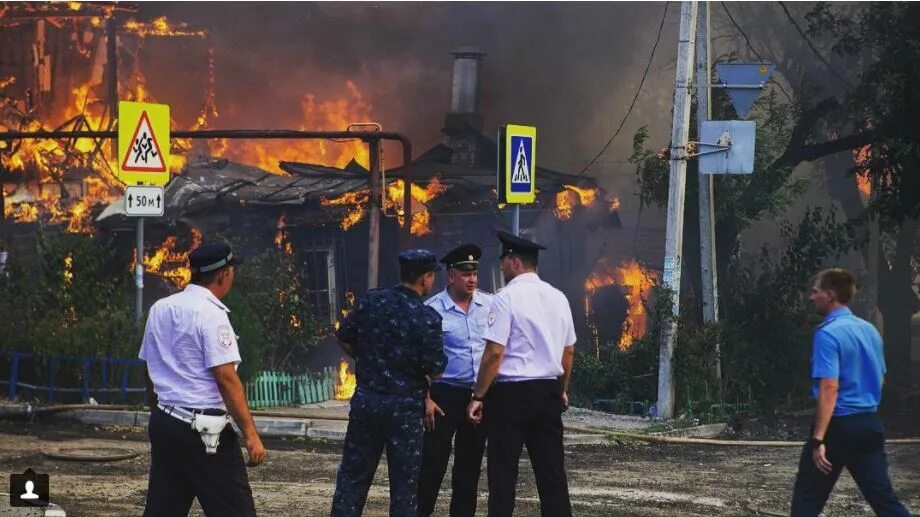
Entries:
{"x":57,"y":377}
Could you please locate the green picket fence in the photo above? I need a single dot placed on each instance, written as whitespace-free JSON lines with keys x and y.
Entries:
{"x":274,"y":389}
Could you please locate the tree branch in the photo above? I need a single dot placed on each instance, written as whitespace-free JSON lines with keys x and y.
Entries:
{"x":797,"y":152}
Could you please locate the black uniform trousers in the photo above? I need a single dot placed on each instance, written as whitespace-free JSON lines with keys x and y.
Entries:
{"x":526,"y":413}
{"x":468,"y":449}
{"x":374,"y":422}
{"x":856,"y":442}
{"x":181,"y":470}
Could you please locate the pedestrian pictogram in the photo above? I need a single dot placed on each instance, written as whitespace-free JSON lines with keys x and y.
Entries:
{"x":143,"y":143}
{"x":521,"y":169}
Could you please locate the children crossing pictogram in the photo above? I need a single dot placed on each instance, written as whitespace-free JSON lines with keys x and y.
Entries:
{"x":143,"y":153}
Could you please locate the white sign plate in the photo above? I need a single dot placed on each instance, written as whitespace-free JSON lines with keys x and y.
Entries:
{"x":144,"y":201}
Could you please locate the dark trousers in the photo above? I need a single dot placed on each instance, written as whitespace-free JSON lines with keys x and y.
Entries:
{"x":470,"y":444}
{"x":857,"y":443}
{"x":376,"y":421}
{"x":526,"y":413}
{"x":181,"y":470}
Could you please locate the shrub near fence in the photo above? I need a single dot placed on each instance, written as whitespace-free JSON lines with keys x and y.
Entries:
{"x":273,"y":389}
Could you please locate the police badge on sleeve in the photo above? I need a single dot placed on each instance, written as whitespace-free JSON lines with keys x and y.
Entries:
{"x":225,"y":336}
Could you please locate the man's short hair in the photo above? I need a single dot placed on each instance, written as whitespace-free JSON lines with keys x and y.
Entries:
{"x":528,"y":259}
{"x":410,"y":275}
{"x":838,"y":280}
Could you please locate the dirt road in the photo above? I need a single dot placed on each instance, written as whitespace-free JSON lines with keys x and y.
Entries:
{"x":629,"y":479}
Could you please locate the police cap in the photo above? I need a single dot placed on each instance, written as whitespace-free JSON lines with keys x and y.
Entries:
{"x":517,"y":245}
{"x":418,"y":261}
{"x":463,"y":258}
{"x":211,"y":257}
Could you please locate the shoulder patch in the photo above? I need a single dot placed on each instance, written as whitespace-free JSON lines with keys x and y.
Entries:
{"x":225,"y":336}
{"x":491,"y":318}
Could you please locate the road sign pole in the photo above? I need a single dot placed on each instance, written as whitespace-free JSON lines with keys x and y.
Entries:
{"x":139,"y":273}
{"x":707,"y":213}
{"x":516,"y":220}
{"x":373,"y":220}
{"x":676,"y":194}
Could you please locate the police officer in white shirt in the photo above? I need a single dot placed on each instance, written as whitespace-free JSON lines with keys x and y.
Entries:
{"x":192,"y":355}
{"x":464,"y":311}
{"x":521,"y":388}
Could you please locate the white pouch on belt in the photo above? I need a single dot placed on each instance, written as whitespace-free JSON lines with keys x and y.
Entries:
{"x":210,"y":427}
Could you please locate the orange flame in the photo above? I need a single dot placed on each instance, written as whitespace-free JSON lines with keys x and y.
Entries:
{"x":863,"y":182}
{"x":169,"y":262}
{"x":161,"y":27}
{"x":421,"y":219}
{"x":571,"y":196}
{"x":317,"y":115}
{"x":347,"y":382}
{"x":637,"y":281}
{"x":282,"y":241}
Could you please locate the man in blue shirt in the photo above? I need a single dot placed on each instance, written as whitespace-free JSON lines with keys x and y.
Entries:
{"x":848,"y":368}
{"x":464,"y":311}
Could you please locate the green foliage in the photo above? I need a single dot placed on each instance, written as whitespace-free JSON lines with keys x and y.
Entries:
{"x":275,"y":323}
{"x":623,"y":376}
{"x":881,"y":38}
{"x":764,"y":333}
{"x":75,"y":299}
{"x":740,"y":199}
{"x":766,"y":324}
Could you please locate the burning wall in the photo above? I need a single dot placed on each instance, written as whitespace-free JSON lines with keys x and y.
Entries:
{"x":636,"y":281}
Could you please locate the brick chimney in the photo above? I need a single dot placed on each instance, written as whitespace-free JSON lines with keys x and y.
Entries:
{"x":463,"y":123}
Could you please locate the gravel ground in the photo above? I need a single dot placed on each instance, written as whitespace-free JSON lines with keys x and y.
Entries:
{"x":630,"y":479}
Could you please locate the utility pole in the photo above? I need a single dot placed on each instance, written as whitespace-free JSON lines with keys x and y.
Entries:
{"x":707,"y":212}
{"x":373,"y":207}
{"x":676,"y":193}
{"x":139,"y":273}
{"x":111,"y":60}
{"x":2,"y":205}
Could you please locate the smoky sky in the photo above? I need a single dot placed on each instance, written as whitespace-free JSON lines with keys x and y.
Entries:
{"x":569,"y":69}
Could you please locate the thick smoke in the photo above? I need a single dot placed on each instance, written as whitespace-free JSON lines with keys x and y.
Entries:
{"x":571,"y":70}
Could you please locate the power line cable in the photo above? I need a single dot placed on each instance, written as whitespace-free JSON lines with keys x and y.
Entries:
{"x":632,"y":105}
{"x":747,"y":40}
{"x":812,"y":46}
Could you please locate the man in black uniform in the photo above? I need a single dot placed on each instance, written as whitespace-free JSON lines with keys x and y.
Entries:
{"x":395,"y":340}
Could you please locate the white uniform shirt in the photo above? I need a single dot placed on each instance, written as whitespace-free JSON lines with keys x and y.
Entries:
{"x":533,"y":321}
{"x":187,"y":334}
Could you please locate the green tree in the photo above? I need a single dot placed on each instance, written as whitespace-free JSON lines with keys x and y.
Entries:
{"x":883,"y":108}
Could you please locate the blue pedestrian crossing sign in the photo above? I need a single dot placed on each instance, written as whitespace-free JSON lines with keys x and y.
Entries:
{"x":517,"y":164}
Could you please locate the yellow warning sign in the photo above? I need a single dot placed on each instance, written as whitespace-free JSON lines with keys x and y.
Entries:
{"x":143,"y":143}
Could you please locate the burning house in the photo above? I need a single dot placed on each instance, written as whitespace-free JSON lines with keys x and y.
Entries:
{"x":308,"y":199}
